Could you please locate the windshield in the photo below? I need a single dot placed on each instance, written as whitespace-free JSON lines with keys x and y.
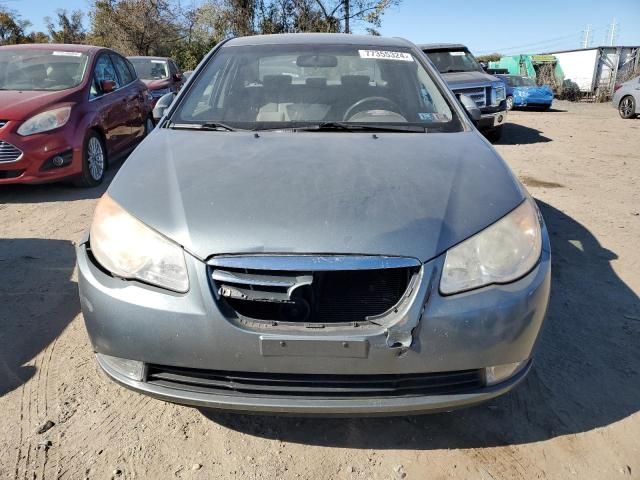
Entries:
{"x":448,"y":61}
{"x":53,"y":70}
{"x":150,"y":69}
{"x":515,"y":81}
{"x":289,"y":86}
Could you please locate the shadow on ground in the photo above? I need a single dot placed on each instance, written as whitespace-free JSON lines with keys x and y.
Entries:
{"x":55,"y":192}
{"x":38,"y":300}
{"x":515,"y":134}
{"x":539,"y":109}
{"x":586,"y":374}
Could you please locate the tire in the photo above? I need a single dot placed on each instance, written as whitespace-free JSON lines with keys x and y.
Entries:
{"x":94,"y":161}
{"x":627,"y":107}
{"x":149,"y":125}
{"x":495,"y":134}
{"x":509,"y":102}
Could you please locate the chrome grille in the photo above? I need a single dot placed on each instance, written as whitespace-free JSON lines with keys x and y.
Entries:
{"x":9,"y":153}
{"x":308,"y":289}
{"x":479,"y":95}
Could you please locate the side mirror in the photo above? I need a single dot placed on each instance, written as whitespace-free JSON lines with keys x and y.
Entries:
{"x":107,"y":86}
{"x":177,"y":77}
{"x":470,"y":106}
{"x":162,"y":105}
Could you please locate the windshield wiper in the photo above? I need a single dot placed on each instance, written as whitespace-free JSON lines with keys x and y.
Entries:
{"x":359,"y":127}
{"x":209,"y":126}
{"x":455,"y":70}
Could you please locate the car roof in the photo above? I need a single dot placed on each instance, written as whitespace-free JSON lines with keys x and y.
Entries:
{"x":319,"y":38}
{"x":442,"y":46}
{"x":55,"y":47}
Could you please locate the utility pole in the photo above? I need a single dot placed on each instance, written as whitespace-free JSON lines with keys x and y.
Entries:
{"x":347,"y":28}
{"x":612,"y":32}
{"x":587,"y":37}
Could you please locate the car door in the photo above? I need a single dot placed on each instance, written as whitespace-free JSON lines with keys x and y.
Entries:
{"x":134,"y":99}
{"x":110,"y":105}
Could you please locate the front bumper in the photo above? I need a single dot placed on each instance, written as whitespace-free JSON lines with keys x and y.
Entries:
{"x":37,"y":150}
{"x":489,"y":121}
{"x":495,"y":325}
{"x":319,"y":406}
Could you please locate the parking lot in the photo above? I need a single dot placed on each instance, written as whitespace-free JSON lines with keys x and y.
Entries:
{"x":576,"y":416}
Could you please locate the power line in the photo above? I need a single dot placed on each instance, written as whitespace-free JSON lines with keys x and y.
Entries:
{"x":587,"y":37}
{"x":578,"y":37}
{"x":612,"y":34}
{"x":528,"y":45}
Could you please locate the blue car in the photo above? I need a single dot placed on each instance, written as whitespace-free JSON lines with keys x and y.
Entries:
{"x":523,"y":92}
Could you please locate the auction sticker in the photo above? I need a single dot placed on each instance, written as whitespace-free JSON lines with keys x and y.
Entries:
{"x":386,"y":55}
{"x":67,"y":54}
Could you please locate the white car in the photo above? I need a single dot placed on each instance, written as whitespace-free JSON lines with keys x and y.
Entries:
{"x":627,"y":98}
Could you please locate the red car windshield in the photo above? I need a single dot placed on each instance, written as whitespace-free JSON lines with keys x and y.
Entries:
{"x":50,"y":70}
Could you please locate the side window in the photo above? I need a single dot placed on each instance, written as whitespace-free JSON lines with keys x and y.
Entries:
{"x":104,"y":70}
{"x":132,"y":70}
{"x":122,"y":69}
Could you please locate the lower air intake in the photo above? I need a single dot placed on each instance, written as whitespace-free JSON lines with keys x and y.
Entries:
{"x":327,"y":386}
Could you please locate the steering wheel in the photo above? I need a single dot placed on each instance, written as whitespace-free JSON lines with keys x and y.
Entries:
{"x":374,"y":100}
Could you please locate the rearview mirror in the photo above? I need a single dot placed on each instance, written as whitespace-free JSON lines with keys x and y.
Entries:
{"x":107,"y":86}
{"x":161,"y":107}
{"x":317,"y":61}
{"x":470,"y":106}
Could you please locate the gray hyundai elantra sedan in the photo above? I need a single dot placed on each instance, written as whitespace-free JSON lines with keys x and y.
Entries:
{"x":316,"y":227}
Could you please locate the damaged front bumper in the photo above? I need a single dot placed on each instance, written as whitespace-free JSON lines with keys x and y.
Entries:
{"x":430,"y":333}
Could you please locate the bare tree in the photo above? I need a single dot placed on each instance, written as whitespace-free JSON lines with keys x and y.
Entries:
{"x":69,"y":28}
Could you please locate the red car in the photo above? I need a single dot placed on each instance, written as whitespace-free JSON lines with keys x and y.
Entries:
{"x":161,"y":75}
{"x":65,"y":110}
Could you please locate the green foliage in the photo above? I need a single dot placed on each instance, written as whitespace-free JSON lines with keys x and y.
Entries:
{"x":69,"y":28}
{"x":187,"y":33}
{"x":491,"y":57}
{"x":12,"y":28}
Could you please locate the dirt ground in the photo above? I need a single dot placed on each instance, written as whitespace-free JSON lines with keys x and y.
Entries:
{"x":576,"y":416}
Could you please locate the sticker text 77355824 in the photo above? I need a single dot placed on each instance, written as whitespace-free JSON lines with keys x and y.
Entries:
{"x":386,"y":55}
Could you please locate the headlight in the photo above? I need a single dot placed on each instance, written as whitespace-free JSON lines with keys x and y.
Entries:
{"x":45,"y":121}
{"x":129,"y":249}
{"x":160,"y":92}
{"x":500,"y":93}
{"x":501,"y":253}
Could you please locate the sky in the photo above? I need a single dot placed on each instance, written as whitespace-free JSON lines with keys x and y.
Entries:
{"x":507,"y":27}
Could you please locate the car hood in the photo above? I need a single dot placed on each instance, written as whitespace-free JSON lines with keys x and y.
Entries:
{"x":543,"y":91}
{"x":411,"y":195}
{"x":464,"y":79}
{"x":157,"y":84}
{"x":20,"y":105}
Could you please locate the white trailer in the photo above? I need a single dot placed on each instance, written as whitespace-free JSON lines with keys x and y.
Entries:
{"x":595,"y":70}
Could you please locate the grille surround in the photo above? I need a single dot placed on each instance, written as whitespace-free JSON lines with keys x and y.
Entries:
{"x":478,"y":94}
{"x":310,"y":290}
{"x":330,"y":386}
{"x":9,"y":153}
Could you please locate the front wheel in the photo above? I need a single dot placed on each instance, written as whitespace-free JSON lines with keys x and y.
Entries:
{"x":627,"y":107}
{"x":509,"y":102}
{"x":94,"y":161}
